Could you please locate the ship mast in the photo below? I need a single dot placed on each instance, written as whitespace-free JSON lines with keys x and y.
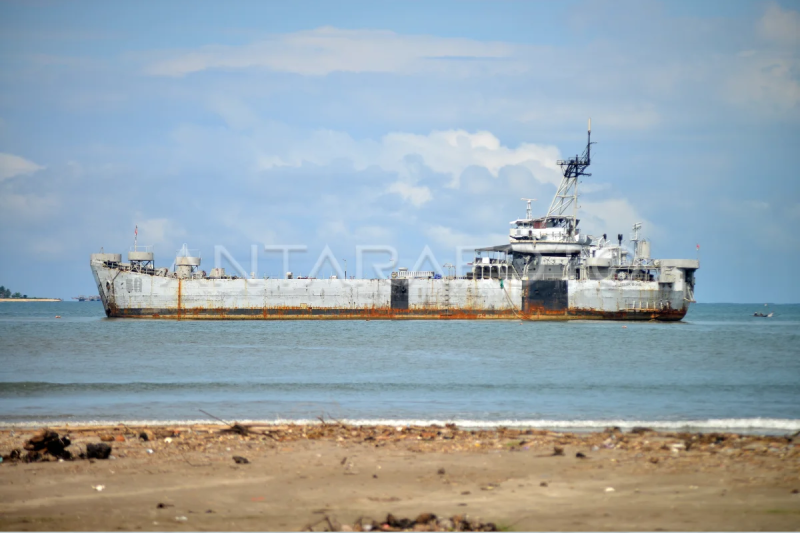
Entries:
{"x":567,"y":195}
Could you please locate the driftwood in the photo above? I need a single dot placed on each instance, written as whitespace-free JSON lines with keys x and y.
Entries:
{"x":240,"y":429}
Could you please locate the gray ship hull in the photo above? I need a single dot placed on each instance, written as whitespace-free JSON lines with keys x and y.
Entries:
{"x":129,"y":294}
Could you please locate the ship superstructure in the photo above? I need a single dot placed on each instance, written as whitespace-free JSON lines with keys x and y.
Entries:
{"x":548,"y":270}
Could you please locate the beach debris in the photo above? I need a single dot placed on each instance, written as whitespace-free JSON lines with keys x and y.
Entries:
{"x":146,"y":435}
{"x":181,"y":519}
{"x":363,"y":523}
{"x":239,"y":460}
{"x":543,"y":484}
{"x":558,"y":450}
{"x":610,"y":489}
{"x":646,"y":447}
{"x":445,"y":524}
{"x":168,"y":440}
{"x":98,"y":488}
{"x":46,"y":441}
{"x":440,"y":471}
{"x":580,"y":455}
{"x":425,"y":521}
{"x":236,"y":428}
{"x":677,"y":447}
{"x":333,"y":524}
{"x":164,"y":505}
{"x":100,"y":450}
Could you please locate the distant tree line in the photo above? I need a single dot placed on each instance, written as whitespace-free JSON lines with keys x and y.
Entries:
{"x":6,"y":293}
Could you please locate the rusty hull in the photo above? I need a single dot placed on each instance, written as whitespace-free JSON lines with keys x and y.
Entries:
{"x":296,"y":313}
{"x":128,"y":294}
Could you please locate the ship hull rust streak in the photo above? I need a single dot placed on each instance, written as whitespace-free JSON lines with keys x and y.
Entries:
{"x":149,"y":297}
{"x":378,"y":314}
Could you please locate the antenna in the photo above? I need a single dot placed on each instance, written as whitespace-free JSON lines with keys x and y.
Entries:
{"x":528,"y":211}
{"x":567,"y":195}
{"x":589,"y":143}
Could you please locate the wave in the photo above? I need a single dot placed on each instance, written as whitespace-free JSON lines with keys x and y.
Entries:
{"x":744,"y":425}
{"x":22,"y":388}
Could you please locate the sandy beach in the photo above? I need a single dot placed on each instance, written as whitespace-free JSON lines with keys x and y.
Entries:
{"x":322,"y":475}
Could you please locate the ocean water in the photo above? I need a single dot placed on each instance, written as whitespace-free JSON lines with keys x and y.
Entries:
{"x":719,"y":369}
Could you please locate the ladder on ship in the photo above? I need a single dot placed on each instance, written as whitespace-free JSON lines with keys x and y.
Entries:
{"x":446,"y":297}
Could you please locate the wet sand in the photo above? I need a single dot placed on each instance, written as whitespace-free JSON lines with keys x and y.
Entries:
{"x":298,"y":475}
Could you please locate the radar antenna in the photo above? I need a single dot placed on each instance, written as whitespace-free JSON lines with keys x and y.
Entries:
{"x":567,"y":194}
{"x":528,"y":212}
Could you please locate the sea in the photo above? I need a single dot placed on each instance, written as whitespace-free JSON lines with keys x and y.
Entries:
{"x":720,"y":369}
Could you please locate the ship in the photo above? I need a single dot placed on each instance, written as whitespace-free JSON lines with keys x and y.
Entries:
{"x":548,"y":270}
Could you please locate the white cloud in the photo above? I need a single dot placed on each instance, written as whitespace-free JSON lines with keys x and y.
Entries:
{"x":325,"y":50}
{"x":766,"y":82}
{"x":159,"y":232}
{"x":15,"y":208}
{"x":613,"y":115}
{"x":14,"y":165}
{"x":780,"y":25}
{"x":613,"y":216}
{"x":416,"y":195}
{"x":765,"y":79}
{"x":450,"y":238}
{"x":448,"y":153}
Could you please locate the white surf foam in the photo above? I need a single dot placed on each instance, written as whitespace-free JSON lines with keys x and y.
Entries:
{"x":743,"y":425}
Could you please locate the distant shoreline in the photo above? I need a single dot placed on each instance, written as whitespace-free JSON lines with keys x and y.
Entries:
{"x":30,"y":299}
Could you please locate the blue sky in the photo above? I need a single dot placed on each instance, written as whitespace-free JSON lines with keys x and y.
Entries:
{"x":405,"y":124}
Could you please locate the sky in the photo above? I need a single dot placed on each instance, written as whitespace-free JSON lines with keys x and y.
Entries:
{"x":413,"y":126}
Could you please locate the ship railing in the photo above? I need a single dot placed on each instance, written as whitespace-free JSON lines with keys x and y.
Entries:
{"x":550,"y":276}
{"x":188,"y":252}
{"x":573,"y":161}
{"x":646,"y":306}
{"x":141,"y":248}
